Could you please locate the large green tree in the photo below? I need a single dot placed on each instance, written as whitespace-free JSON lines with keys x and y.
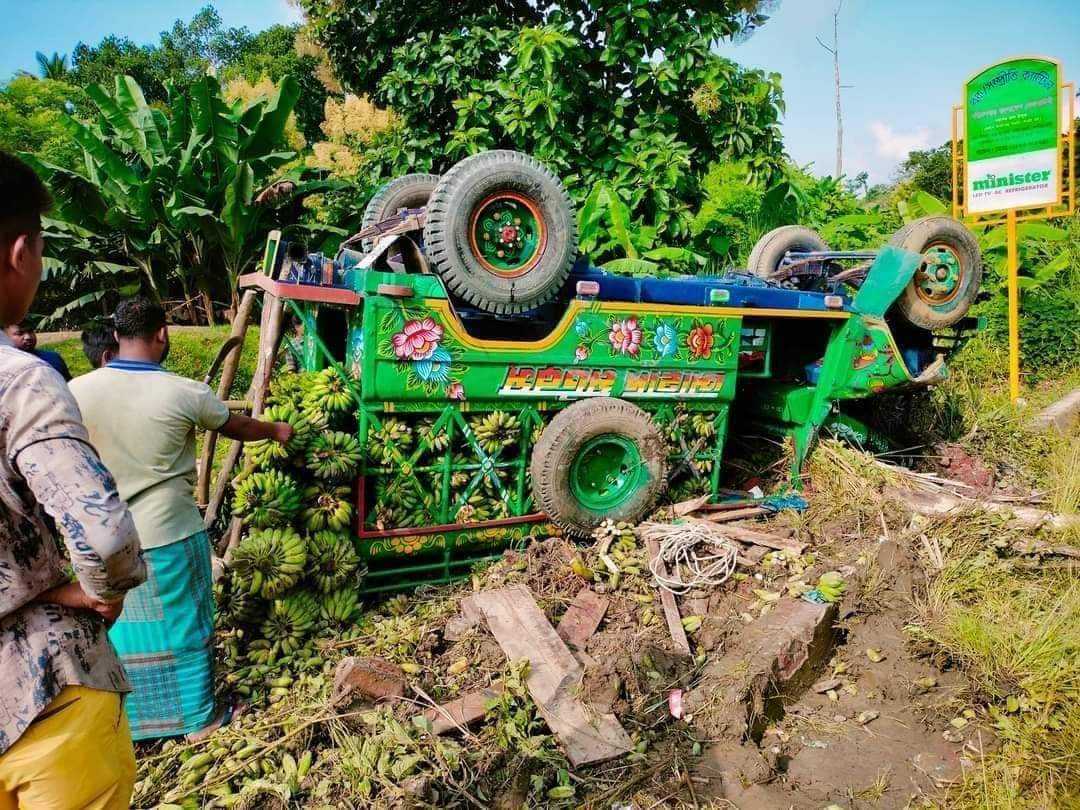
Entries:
{"x":629,"y":92}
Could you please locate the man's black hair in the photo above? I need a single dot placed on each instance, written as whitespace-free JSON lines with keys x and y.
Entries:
{"x":23,"y":199}
{"x":96,"y":339}
{"x":138,"y":318}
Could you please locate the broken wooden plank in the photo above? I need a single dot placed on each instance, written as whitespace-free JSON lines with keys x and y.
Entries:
{"x":737,"y":514}
{"x":772,"y":541}
{"x":667,"y":600}
{"x":462,"y":712}
{"x":683,"y":508}
{"x":555,"y":676}
{"x":582,"y":618}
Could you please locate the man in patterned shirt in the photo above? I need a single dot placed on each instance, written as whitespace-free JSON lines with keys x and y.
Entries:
{"x":64,"y":737}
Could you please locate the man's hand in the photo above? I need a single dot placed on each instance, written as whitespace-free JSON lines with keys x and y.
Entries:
{"x":71,"y":595}
{"x":283,"y":431}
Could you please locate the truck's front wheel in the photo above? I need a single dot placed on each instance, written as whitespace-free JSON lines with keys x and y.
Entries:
{"x":598,"y":459}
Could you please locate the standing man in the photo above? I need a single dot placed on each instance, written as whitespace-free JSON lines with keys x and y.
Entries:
{"x":64,"y":738}
{"x":99,"y":345}
{"x":142,"y":419}
{"x":24,"y":337}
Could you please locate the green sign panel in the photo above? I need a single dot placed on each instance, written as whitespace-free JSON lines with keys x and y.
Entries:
{"x":1013,"y":131}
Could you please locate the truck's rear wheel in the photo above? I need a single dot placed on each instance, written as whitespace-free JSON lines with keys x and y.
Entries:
{"x":769,"y":250}
{"x":598,"y":459}
{"x":500,"y":231}
{"x":947,"y":281}
{"x":407,"y":191}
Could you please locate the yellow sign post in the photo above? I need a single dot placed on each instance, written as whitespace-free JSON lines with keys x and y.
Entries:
{"x":1013,"y":160}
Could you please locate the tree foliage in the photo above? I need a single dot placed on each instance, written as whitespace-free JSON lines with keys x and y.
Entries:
{"x":628,"y":93}
{"x":929,"y":170}
{"x":31,"y":118}
{"x":166,"y":196}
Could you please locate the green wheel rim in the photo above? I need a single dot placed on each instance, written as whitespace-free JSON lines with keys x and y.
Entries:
{"x":937,"y":281}
{"x":507,"y":234}
{"x":606,"y":472}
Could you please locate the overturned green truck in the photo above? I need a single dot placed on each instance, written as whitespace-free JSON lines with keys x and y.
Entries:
{"x":501,"y":383}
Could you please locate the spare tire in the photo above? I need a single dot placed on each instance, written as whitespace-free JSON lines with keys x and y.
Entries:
{"x":598,"y":459}
{"x":407,"y":191}
{"x":500,"y":232}
{"x":770,"y":249}
{"x":947,"y":281}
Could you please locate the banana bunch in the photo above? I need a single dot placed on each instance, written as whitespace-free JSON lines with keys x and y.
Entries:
{"x":266,"y":499}
{"x":332,"y":560}
{"x":476,"y":508}
{"x":340,"y":606}
{"x":236,"y":605}
{"x":269,"y":562}
{"x":329,"y":393}
{"x":265,"y":453}
{"x":328,"y":508}
{"x":290,"y":619}
{"x":437,"y":441}
{"x":394,"y":434}
{"x":496,"y":430}
{"x":831,"y":586}
{"x":263,"y":652}
{"x":288,"y":389}
{"x":702,"y":425}
{"x":334,"y":456}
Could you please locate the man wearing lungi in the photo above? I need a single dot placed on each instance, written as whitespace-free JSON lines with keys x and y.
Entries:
{"x":142,"y":420}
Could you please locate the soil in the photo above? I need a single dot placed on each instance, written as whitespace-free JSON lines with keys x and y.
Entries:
{"x":876,"y":728}
{"x":867,"y":722}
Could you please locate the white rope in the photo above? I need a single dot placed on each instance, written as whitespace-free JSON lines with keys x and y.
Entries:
{"x":693,"y":554}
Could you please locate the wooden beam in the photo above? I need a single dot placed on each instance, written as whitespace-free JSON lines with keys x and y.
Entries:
{"x":555,"y":676}
{"x":671,"y":607}
{"x":229,"y":357}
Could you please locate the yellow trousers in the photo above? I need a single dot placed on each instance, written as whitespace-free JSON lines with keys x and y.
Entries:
{"x":77,"y":754}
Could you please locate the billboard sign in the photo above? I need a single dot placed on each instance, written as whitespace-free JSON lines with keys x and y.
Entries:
{"x":1012,"y":136}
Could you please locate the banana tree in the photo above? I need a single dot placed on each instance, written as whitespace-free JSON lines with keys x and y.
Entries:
{"x":171,"y":193}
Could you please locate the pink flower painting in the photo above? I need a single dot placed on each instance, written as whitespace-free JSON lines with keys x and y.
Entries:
{"x":418,"y":340}
{"x":625,"y":337}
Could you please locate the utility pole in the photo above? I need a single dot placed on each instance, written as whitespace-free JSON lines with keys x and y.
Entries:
{"x":835,"y":51}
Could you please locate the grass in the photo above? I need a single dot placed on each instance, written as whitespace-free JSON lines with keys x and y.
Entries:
{"x":1012,"y":627}
{"x":1016,"y":636}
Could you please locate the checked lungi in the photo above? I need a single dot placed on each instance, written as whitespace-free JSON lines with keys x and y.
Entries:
{"x":165,"y":641}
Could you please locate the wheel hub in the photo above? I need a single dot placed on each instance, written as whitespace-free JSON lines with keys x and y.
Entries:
{"x":937,"y":281}
{"x":507,"y":234}
{"x":606,"y":472}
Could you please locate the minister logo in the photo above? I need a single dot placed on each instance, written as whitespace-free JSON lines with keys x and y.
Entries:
{"x":991,"y":181}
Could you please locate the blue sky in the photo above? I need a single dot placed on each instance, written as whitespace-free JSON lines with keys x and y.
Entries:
{"x":906,"y":61}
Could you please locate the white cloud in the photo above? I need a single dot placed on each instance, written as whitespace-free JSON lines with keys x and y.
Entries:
{"x":889,"y":143}
{"x":292,"y":11}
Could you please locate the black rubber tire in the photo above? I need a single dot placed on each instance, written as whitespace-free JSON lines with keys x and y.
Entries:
{"x":407,"y":191}
{"x":769,"y":250}
{"x":562,"y":439}
{"x":921,"y":234}
{"x":449,"y":214}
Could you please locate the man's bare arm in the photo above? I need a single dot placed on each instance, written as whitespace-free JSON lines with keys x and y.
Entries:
{"x":245,"y":429}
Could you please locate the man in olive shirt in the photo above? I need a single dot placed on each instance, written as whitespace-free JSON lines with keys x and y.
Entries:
{"x":64,"y":738}
{"x":142,"y":419}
